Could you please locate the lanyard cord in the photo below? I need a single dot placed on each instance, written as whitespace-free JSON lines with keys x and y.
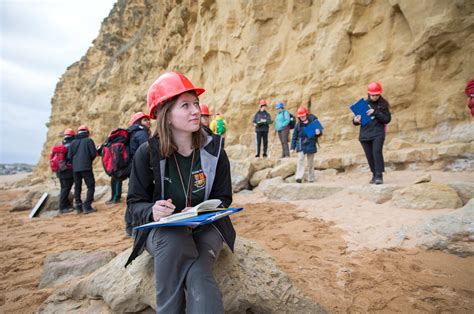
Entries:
{"x":189,"y":189}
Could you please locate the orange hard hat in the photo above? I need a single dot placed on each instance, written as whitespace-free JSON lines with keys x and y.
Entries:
{"x":204,"y":109}
{"x":137,"y":116}
{"x":302,"y":111}
{"x":167,"y":86}
{"x":83,"y":127}
{"x":263,"y":102}
{"x":69,"y":132}
{"x":374,"y":88}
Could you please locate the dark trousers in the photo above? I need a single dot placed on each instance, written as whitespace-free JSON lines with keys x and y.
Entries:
{"x":88,"y":177}
{"x":183,"y":263}
{"x":116,"y":189}
{"x":373,"y":152}
{"x":262,"y":136}
{"x":283,"y":135}
{"x":66,"y":185}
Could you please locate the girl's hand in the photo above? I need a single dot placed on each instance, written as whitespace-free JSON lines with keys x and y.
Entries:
{"x":162,"y":209}
{"x":357,"y":119}
{"x":318,"y":132}
{"x":370,"y":112}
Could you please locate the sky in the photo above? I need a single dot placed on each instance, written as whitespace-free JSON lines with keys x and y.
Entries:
{"x":39,"y":39}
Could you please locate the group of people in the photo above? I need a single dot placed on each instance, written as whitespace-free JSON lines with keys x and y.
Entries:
{"x":81,"y":152}
{"x":371,"y":135}
{"x":183,"y":163}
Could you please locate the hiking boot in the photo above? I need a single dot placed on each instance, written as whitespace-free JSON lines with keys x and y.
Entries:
{"x":257,"y":156}
{"x":78,"y":209}
{"x":111,"y":202}
{"x":372,"y":181}
{"x":299,"y":180}
{"x":89,"y":210}
{"x":265,"y":156}
{"x":378,"y":178}
{"x":65,"y":210}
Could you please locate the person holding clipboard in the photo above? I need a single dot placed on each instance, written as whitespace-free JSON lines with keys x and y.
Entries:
{"x":372,"y":133}
{"x":304,"y":139}
{"x":179,"y":167}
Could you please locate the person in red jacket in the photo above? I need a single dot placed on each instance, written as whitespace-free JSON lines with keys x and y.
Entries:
{"x":469,"y":90}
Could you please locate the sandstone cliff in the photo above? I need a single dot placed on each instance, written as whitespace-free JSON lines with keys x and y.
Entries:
{"x":297,"y":51}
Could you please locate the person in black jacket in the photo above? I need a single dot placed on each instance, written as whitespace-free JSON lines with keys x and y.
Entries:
{"x":261,"y":122}
{"x":179,"y":167}
{"x":82,"y":152}
{"x":372,"y":135}
{"x":66,"y":178}
{"x":138,"y":134}
{"x":139,"y":131}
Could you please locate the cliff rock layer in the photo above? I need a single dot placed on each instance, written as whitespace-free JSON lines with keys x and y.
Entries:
{"x":322,"y":53}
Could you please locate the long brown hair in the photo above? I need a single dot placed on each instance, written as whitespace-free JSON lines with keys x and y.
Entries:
{"x":164,"y":133}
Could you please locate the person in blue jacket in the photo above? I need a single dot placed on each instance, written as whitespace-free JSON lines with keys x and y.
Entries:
{"x":304,"y":145}
{"x":282,"y":127}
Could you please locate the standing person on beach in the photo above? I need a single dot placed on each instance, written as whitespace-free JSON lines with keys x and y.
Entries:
{"x":205,"y":115}
{"x":282,"y":122}
{"x":372,"y":135}
{"x":261,"y":121}
{"x":139,"y":131}
{"x":304,"y":145}
{"x":180,"y":167}
{"x":66,"y":177}
{"x":82,"y":152}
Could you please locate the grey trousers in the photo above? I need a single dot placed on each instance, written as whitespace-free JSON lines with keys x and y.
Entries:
{"x":183,"y":263}
{"x":283,"y":135}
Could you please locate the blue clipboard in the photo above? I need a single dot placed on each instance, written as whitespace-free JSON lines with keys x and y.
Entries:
{"x":360,"y":108}
{"x":311,"y":128}
{"x":201,"y":219}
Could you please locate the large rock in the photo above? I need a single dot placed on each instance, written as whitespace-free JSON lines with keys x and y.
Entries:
{"x":427,"y":196}
{"x":285,"y":169}
{"x":375,"y":193}
{"x":465,"y":190}
{"x":60,"y":267}
{"x":278,"y":189}
{"x":26,"y":202}
{"x":240,"y":173}
{"x":249,"y":280}
{"x":258,"y":176}
{"x":238,"y":151}
{"x":453,"y":232}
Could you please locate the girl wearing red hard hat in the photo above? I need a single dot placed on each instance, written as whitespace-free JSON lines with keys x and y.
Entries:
{"x":179,"y":167}
{"x":372,"y":135}
{"x":304,"y":145}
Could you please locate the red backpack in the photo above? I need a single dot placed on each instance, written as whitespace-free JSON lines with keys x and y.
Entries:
{"x":116,"y":154}
{"x":57,"y":159}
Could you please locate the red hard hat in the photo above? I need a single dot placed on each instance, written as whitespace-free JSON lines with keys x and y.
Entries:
{"x":302,"y":111}
{"x":374,"y":88}
{"x":138,"y":116}
{"x":70,"y":132}
{"x":167,"y":86}
{"x":263,"y":102}
{"x":83,"y":128}
{"x":204,"y":109}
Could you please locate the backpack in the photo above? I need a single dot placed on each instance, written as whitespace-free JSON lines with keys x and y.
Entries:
{"x":292,"y":121}
{"x":115,"y":154}
{"x":220,"y":127}
{"x":57,"y":159}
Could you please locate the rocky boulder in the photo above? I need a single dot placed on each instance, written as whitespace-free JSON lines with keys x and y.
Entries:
{"x":278,"y":189}
{"x":376,"y":193}
{"x":240,"y":172}
{"x":249,"y":280}
{"x":60,"y":267}
{"x":285,"y":169}
{"x":258,"y":176}
{"x":465,"y":190}
{"x":453,"y":232}
{"x":27,"y":202}
{"x":427,"y":196}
